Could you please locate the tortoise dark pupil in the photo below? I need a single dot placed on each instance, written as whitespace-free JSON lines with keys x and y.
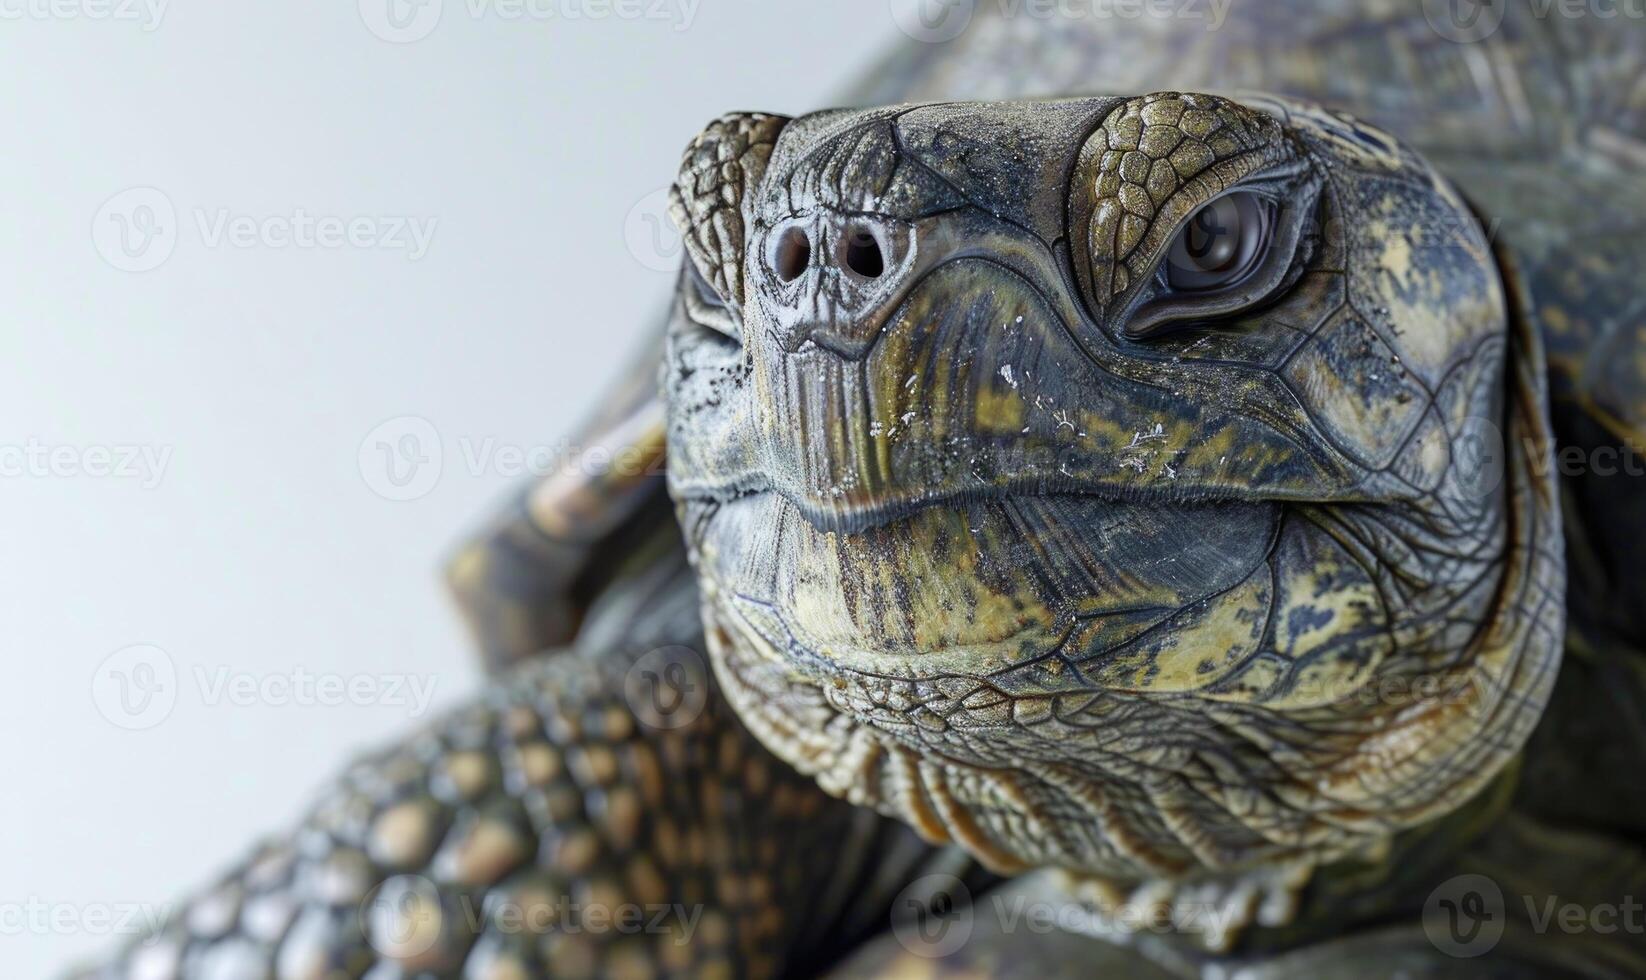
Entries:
{"x":1221,"y":244}
{"x":1209,"y":241}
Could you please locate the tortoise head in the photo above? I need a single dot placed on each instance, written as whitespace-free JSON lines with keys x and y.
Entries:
{"x":1111,"y":483}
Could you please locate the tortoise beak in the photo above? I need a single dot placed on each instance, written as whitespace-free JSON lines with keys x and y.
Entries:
{"x":966,"y":382}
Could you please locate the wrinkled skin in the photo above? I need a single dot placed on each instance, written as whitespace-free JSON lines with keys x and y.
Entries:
{"x":1014,"y":541}
{"x":1241,"y":600}
{"x":1541,"y":124}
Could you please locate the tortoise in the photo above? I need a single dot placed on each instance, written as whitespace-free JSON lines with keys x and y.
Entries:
{"x":1174,"y":489}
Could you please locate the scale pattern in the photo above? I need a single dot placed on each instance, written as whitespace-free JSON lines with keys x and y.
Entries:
{"x":545,"y":831}
{"x":1149,"y":149}
{"x":1543,"y":124}
{"x":706,"y":202}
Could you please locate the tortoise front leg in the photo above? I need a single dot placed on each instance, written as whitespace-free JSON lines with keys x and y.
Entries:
{"x":526,"y":581}
{"x":549,"y":829}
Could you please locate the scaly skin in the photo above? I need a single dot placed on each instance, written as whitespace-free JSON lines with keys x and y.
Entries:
{"x":1541,"y":124}
{"x":985,"y":547}
{"x":545,"y":830}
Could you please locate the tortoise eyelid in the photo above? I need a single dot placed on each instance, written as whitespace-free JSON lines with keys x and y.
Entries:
{"x":705,"y":307}
{"x":701,"y":285}
{"x":1164,"y":310}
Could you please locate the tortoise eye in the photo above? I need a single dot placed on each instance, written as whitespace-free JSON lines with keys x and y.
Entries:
{"x":1221,"y":244}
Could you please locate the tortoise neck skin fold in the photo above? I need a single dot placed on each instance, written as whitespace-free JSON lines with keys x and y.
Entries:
{"x":1012,"y":526}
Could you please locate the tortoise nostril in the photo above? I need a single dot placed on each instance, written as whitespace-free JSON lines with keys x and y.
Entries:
{"x":791,"y":253}
{"x":863,"y":254}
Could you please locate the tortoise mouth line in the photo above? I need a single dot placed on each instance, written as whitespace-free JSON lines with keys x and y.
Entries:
{"x":1000,"y":606}
{"x":856,"y":512}
{"x":767,"y":631}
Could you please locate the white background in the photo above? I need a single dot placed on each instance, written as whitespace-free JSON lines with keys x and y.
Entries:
{"x":261,"y":550}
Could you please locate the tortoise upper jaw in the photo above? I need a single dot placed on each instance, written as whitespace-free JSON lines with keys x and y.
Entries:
{"x":970,"y":373}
